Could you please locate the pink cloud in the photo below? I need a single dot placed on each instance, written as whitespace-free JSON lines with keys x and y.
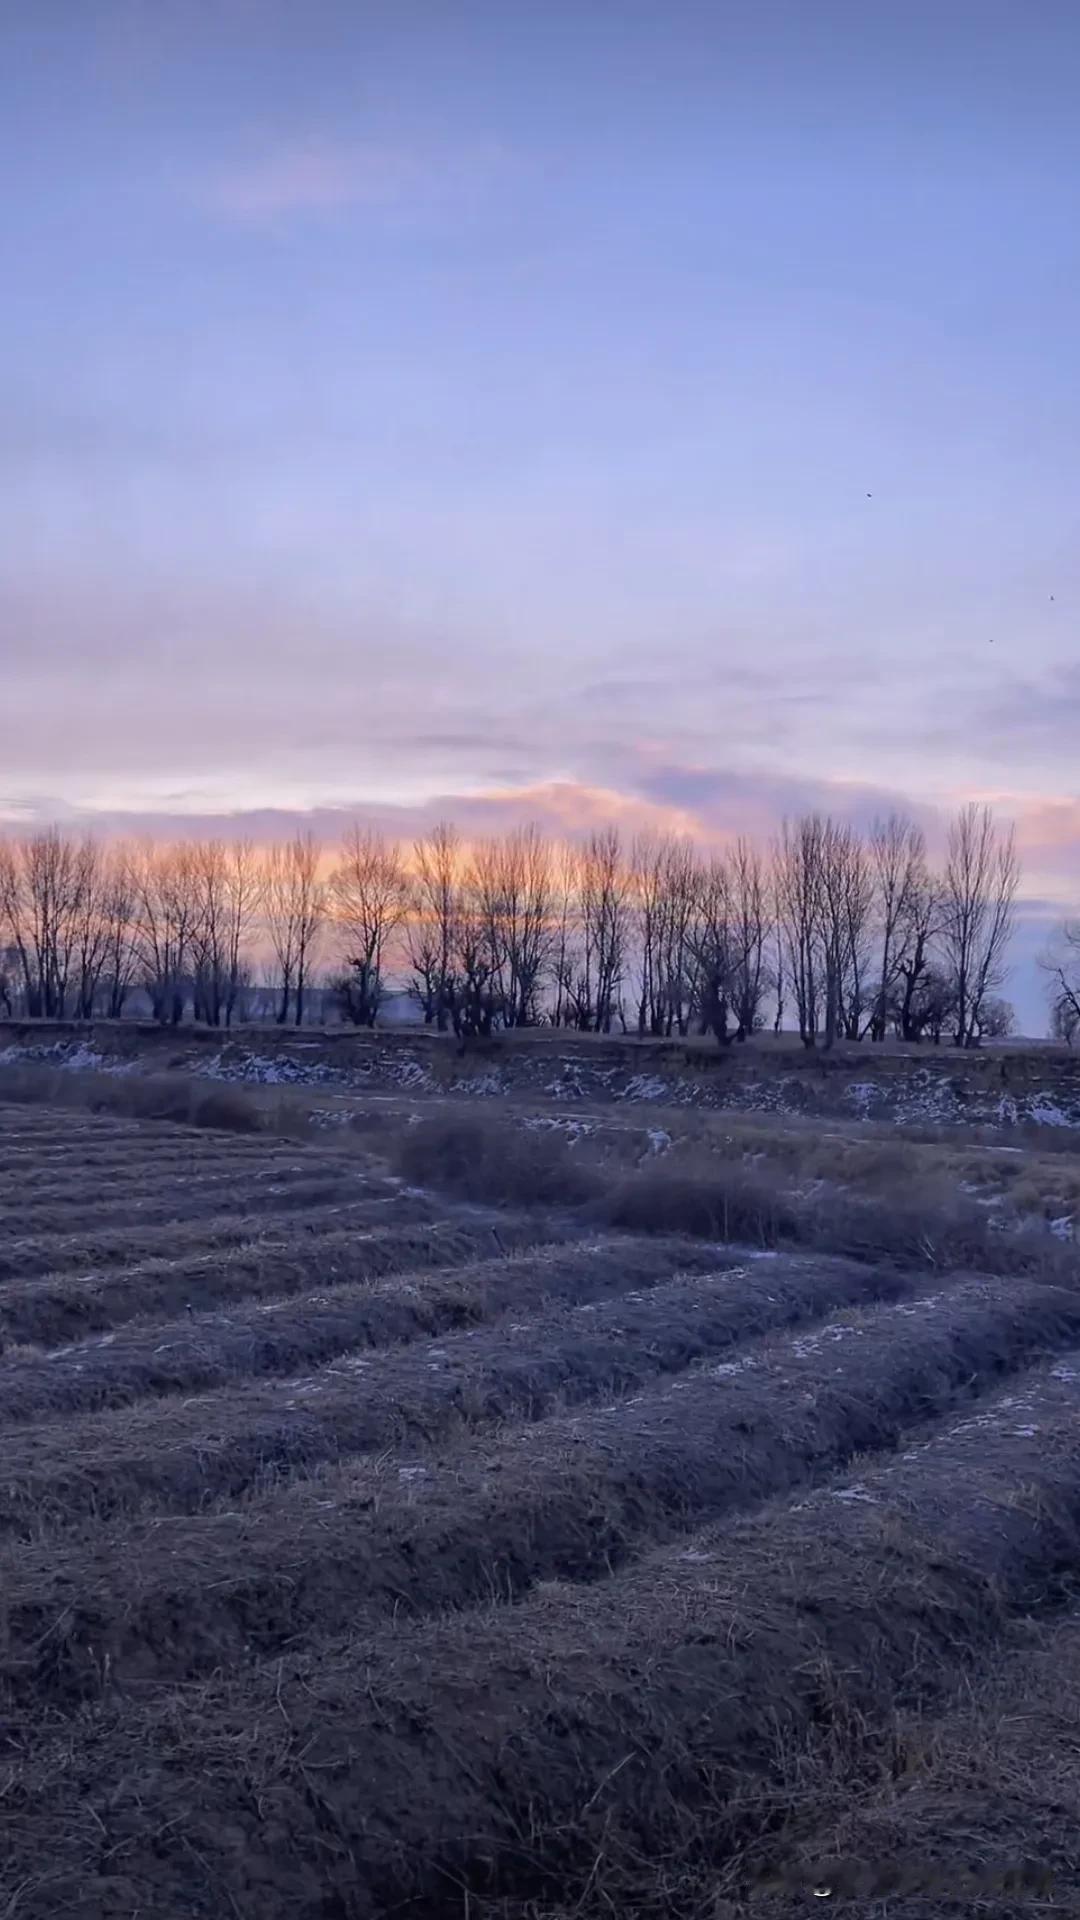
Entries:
{"x":312,"y":177}
{"x":319,"y":176}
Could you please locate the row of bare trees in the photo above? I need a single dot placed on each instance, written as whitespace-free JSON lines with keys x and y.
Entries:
{"x":84,"y":925}
{"x":870,"y":938}
{"x":844,"y":935}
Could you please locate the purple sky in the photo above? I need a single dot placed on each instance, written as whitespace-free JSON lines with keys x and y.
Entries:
{"x":420,"y":406}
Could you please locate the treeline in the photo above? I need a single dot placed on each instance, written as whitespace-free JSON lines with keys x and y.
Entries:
{"x":839,"y":934}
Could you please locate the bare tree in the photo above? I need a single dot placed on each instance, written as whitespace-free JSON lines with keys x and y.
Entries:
{"x":750,"y":923}
{"x":1060,"y":961}
{"x":209,"y":934}
{"x":714,"y":951}
{"x":1064,"y":1014}
{"x":243,"y":898}
{"x":43,"y":882}
{"x":433,"y":931}
{"x":898,"y":854}
{"x":996,"y":1018}
{"x":510,"y":886}
{"x":91,"y":929}
{"x":228,"y":883}
{"x":982,"y":874}
{"x":369,"y":893}
{"x":605,"y":915}
{"x":165,"y":904}
{"x":473,"y":995}
{"x":846,"y":904}
{"x":779,"y":961}
{"x":648,"y":863}
{"x":681,"y":881}
{"x":798,"y":868}
{"x":294,"y":902}
{"x":663,"y":897}
{"x":118,"y":918}
{"x":565,"y":934}
{"x":921,"y":992}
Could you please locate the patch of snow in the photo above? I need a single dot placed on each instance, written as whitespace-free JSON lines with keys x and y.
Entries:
{"x":659,"y":1140}
{"x":411,"y":1073}
{"x":73,"y":1056}
{"x":646,"y":1086}
{"x":559,"y":1123}
{"x":1046,"y":1113}
{"x":564,"y":1087}
{"x":483,"y":1085}
{"x":864,"y":1094}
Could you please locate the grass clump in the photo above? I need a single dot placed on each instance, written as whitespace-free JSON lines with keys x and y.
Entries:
{"x":179,"y":1098}
{"x":493,"y":1162}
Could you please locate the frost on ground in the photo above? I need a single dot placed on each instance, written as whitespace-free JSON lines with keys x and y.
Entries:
{"x":254,"y":1069}
{"x":1046,"y":1113}
{"x":571,"y":1129}
{"x":74,"y":1056}
{"x":236,"y":1065}
{"x":936,"y":1091}
{"x":647,"y":1086}
{"x":864,"y":1094}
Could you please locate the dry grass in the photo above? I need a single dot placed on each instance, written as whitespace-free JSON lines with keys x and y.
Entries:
{"x":670,"y":1714}
{"x":284,"y":1336}
{"x":983,"y":1793}
{"x":879,"y":1204}
{"x":48,"y":1254}
{"x":92,"y":1206}
{"x":282,"y":1625}
{"x":570,"y":1499}
{"x":156,"y":1454}
{"x":140,"y":1171}
{"x":481,"y":1157}
{"x":176,"y":1097}
{"x":359,"y":1243}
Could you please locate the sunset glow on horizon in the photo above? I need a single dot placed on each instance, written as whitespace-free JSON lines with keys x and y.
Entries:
{"x":659,"y":417}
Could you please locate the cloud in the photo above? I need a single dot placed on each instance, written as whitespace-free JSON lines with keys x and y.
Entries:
{"x":317,"y":176}
{"x":755,"y":802}
{"x":312,"y":178}
{"x":560,"y":807}
{"x":712,"y":809}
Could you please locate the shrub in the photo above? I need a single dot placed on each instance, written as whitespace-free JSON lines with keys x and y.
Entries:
{"x":493,"y":1161}
{"x":718,"y":1202}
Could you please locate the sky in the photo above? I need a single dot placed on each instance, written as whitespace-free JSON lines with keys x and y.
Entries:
{"x":608,"y":409}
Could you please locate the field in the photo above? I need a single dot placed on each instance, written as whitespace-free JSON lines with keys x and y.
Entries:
{"x":421,"y":1511}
